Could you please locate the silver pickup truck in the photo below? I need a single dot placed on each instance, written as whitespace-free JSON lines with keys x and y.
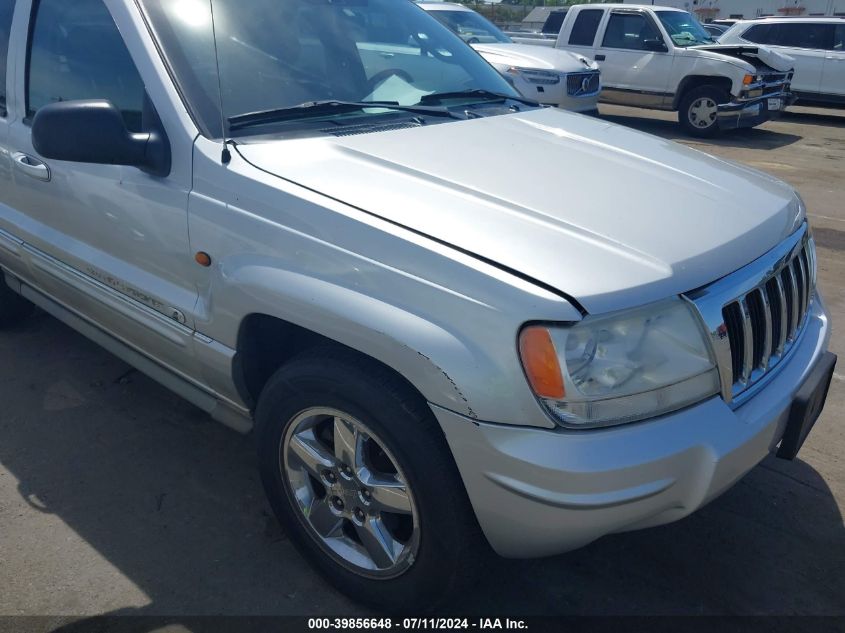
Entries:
{"x":293,"y":214}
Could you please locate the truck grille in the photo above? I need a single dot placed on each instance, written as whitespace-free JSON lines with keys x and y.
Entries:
{"x":756,"y":316}
{"x":774,"y":83}
{"x":582,"y":84}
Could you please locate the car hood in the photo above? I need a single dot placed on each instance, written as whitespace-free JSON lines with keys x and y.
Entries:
{"x":528,"y":56}
{"x":750,"y":54}
{"x":608,"y":215}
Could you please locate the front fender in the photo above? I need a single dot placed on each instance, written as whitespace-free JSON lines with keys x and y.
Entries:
{"x":445,"y":320}
{"x":718,"y":66}
{"x":401,"y":340}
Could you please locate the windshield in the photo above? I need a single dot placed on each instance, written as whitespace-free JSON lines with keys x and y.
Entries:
{"x":277,"y":54}
{"x":683,"y":28}
{"x":471,"y":26}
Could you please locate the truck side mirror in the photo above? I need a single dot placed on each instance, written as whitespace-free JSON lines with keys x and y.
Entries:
{"x":656,"y":45}
{"x":94,"y":132}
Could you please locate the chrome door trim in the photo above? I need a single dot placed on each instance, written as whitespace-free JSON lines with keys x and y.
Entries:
{"x":216,"y":357}
{"x":10,"y":243}
{"x":169,"y":329}
{"x":219,"y":407}
{"x":636,"y":98}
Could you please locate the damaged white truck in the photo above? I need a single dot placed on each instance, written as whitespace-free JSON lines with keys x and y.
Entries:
{"x":662,"y":58}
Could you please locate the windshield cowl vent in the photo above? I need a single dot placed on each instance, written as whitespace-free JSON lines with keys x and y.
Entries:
{"x":352,"y":130}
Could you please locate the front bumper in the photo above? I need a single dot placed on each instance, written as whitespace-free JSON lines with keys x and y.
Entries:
{"x":557,"y":95}
{"x":753,"y":112}
{"x":587,"y":104}
{"x":539,"y":492}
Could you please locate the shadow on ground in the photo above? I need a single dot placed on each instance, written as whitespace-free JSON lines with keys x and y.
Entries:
{"x":173,"y":502}
{"x":830,"y":117}
{"x":759,"y":137}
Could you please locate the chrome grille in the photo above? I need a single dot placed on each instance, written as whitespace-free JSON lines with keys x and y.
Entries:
{"x":582,"y":84}
{"x":774,"y":83}
{"x":757,"y":314}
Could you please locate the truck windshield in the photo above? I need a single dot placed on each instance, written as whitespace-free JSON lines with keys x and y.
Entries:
{"x":683,"y":28}
{"x":279,"y":54}
{"x":471,"y":27}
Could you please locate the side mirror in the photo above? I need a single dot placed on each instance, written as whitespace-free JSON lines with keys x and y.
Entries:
{"x":94,"y":132}
{"x":656,"y":45}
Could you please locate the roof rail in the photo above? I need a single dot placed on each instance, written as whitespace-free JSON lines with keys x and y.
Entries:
{"x":795,"y":17}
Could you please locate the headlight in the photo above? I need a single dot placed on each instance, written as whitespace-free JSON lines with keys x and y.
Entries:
{"x":621,"y":367}
{"x":534,"y":76}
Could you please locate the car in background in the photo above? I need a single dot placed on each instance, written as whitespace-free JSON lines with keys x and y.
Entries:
{"x":548,"y":76}
{"x":659,"y":57}
{"x":816,"y":44}
{"x":550,"y":27}
{"x":715,"y":30}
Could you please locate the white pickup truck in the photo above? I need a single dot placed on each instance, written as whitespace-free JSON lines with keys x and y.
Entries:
{"x":662,"y":58}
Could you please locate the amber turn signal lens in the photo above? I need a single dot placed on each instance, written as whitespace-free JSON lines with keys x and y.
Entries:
{"x":748,"y":79}
{"x":539,"y":358}
{"x":203,"y":259}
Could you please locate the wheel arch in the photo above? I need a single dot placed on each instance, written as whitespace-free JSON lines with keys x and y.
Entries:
{"x":271,"y":333}
{"x":266,"y":343}
{"x":696,"y":81}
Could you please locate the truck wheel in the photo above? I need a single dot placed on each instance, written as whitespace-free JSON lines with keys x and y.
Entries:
{"x":698,"y":112}
{"x":13,"y":307}
{"x":359,"y":474}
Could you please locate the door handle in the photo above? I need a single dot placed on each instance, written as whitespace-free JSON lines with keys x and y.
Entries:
{"x":32,"y":167}
{"x":600,"y":58}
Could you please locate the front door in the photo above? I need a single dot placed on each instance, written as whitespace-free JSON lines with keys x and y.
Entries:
{"x":108,"y":242}
{"x":9,"y":248}
{"x":833,"y":77}
{"x":632,"y":74}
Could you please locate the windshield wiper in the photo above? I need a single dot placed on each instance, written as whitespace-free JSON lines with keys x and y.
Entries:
{"x":473,"y":93}
{"x":313,"y":109}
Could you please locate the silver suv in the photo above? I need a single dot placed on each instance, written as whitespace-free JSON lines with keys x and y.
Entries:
{"x":293,"y":214}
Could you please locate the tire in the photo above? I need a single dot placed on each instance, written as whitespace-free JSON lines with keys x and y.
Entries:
{"x":435,"y":539}
{"x":698,"y":106}
{"x":13,"y":307}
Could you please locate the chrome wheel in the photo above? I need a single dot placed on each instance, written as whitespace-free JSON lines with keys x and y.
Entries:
{"x":702,"y":112}
{"x":350,"y":493}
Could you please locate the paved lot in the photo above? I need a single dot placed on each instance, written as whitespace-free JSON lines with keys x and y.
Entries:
{"x":117,"y":497}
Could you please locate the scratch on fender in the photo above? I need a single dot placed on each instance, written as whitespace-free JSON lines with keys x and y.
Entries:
{"x":470,"y":412}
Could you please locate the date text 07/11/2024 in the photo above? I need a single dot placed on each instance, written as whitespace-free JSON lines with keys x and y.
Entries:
{"x":346,"y":624}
